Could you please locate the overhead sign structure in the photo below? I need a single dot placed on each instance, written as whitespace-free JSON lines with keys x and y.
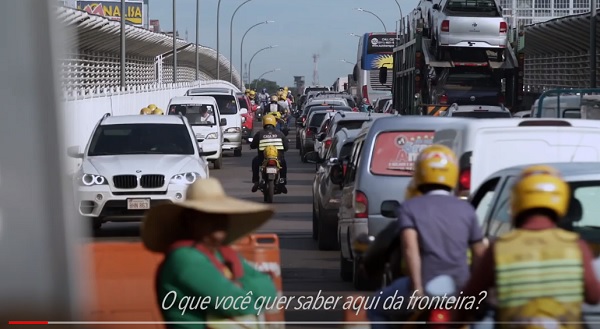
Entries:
{"x":111,"y":9}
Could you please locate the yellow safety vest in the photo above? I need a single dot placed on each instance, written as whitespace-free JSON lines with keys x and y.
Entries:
{"x":539,"y":279}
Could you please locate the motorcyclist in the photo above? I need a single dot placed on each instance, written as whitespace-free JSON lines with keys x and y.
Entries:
{"x":274,"y":106}
{"x":269,"y":136}
{"x":285,"y":113}
{"x":263,"y":99}
{"x":364,"y":107}
{"x":436,"y":230}
{"x":541,"y":272}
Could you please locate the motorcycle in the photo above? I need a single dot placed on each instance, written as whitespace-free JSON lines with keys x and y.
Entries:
{"x":270,"y":183}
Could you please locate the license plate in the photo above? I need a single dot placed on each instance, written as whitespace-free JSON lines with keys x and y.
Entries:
{"x":271,"y":170}
{"x":138,"y":204}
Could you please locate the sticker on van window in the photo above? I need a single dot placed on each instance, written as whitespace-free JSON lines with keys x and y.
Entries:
{"x":396,"y":152}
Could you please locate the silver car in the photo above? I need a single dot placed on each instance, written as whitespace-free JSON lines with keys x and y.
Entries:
{"x":468,"y":24}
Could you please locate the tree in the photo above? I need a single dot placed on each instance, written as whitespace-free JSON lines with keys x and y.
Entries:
{"x":271,"y":86}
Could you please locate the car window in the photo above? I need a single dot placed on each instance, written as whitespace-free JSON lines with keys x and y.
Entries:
{"x":349,"y":124}
{"x":470,"y":79}
{"x":227,"y":104}
{"x":196,"y":114}
{"x":500,"y":219}
{"x":482,"y":115}
{"x":588,"y":196}
{"x":395,"y":152}
{"x":351,"y":173}
{"x":470,"y":6}
{"x":483,"y":197}
{"x":126,"y":139}
{"x":316,"y":119}
{"x":243,"y":103}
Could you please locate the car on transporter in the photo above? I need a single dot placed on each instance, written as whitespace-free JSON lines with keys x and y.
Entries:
{"x":135,"y":162}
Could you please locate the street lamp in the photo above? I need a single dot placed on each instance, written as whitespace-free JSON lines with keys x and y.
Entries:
{"x":174,"y":43}
{"x":231,"y":41}
{"x":250,"y":64}
{"x":355,"y":35}
{"x":197,"y":41}
{"x":242,"y":47}
{"x":372,"y":13}
{"x":399,"y":8}
{"x":345,"y":61}
{"x":218,"y":10}
{"x":262,"y":75}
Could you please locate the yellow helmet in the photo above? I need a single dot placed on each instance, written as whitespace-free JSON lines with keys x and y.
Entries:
{"x":271,"y":152}
{"x":269,"y":120}
{"x":252,"y":93}
{"x":145,"y":110}
{"x":152,"y":107}
{"x":157,"y":111}
{"x":274,"y":98}
{"x":540,"y":187}
{"x":437,"y":165}
{"x":411,"y":191}
{"x":277,"y":115}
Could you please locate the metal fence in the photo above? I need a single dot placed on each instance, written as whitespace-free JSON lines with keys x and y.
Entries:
{"x":557,"y":54}
{"x":94,"y":55}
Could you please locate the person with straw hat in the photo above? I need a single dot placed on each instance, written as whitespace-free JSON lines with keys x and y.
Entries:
{"x":194,"y":235}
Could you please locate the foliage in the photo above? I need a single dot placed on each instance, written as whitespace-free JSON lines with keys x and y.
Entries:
{"x":258,"y":85}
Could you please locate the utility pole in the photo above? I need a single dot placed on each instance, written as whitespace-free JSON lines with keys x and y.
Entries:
{"x":174,"y":43}
{"x":123,"y":52}
{"x":197,"y":38}
{"x":316,"y":69}
{"x":593,"y":50}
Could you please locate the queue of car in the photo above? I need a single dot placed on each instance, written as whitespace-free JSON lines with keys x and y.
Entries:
{"x":362,"y":173}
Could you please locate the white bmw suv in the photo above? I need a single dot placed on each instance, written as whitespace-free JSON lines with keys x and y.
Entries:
{"x":134,"y":162}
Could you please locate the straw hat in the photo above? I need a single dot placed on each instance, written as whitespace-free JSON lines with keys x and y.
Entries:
{"x":161,"y":225}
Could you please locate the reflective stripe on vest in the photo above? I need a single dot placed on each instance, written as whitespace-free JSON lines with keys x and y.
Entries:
{"x":538,"y":271}
{"x":277,"y":142}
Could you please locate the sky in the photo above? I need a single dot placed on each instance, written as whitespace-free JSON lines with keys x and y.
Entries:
{"x":301,"y":29}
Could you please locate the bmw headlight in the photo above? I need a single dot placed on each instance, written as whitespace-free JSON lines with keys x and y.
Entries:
{"x":91,"y":180}
{"x":185,"y":178}
{"x":211,"y":136}
{"x":233,"y":130}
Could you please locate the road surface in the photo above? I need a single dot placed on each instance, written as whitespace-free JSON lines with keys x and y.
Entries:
{"x":305,"y":269}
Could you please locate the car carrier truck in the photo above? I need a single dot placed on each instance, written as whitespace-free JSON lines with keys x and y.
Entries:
{"x":416,"y":71}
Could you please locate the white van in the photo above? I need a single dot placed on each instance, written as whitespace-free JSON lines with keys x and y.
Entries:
{"x":485,"y":146}
{"x":229,"y":108}
{"x":569,"y":107}
{"x":202,"y":113}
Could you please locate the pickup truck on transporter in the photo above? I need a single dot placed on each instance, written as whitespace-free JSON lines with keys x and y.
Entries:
{"x":471,"y":66}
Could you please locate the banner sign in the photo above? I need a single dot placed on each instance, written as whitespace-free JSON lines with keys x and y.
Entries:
{"x":380,"y":43}
{"x":111,"y":9}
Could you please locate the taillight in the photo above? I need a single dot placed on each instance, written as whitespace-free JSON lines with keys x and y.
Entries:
{"x":303,"y":119}
{"x":503,"y":27}
{"x":355,"y":109}
{"x":464,"y":179}
{"x":365,"y":93}
{"x":309,"y":133}
{"x":272,"y":163}
{"x":439,"y":316}
{"x":327,"y":143}
{"x":501,"y":99}
{"x":443,"y":99}
{"x":344,"y":167}
{"x":361,"y":205}
{"x":446,"y":26}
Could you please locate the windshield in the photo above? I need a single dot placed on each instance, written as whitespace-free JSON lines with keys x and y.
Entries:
{"x":141,"y":139}
{"x":471,"y":79}
{"x":197,"y":115}
{"x":472,"y":6}
{"x":349,"y":124}
{"x":482,"y":114}
{"x":327,"y":102}
{"x":226,"y":103}
{"x":316,"y":119}
{"x":310,"y":110}
{"x":307,"y":90}
{"x":395,"y":152}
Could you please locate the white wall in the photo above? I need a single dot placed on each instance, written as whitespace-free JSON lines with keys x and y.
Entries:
{"x":80,"y":116}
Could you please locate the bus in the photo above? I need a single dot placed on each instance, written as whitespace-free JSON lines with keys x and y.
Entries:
{"x":375,"y":50}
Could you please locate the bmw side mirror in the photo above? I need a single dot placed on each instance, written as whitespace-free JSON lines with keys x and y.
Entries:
{"x":336,"y":174}
{"x":206,"y":154}
{"x":74,"y":152}
{"x":312,"y":157}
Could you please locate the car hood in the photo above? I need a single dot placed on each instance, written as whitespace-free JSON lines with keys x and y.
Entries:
{"x":202,"y":131}
{"x":141,"y":164}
